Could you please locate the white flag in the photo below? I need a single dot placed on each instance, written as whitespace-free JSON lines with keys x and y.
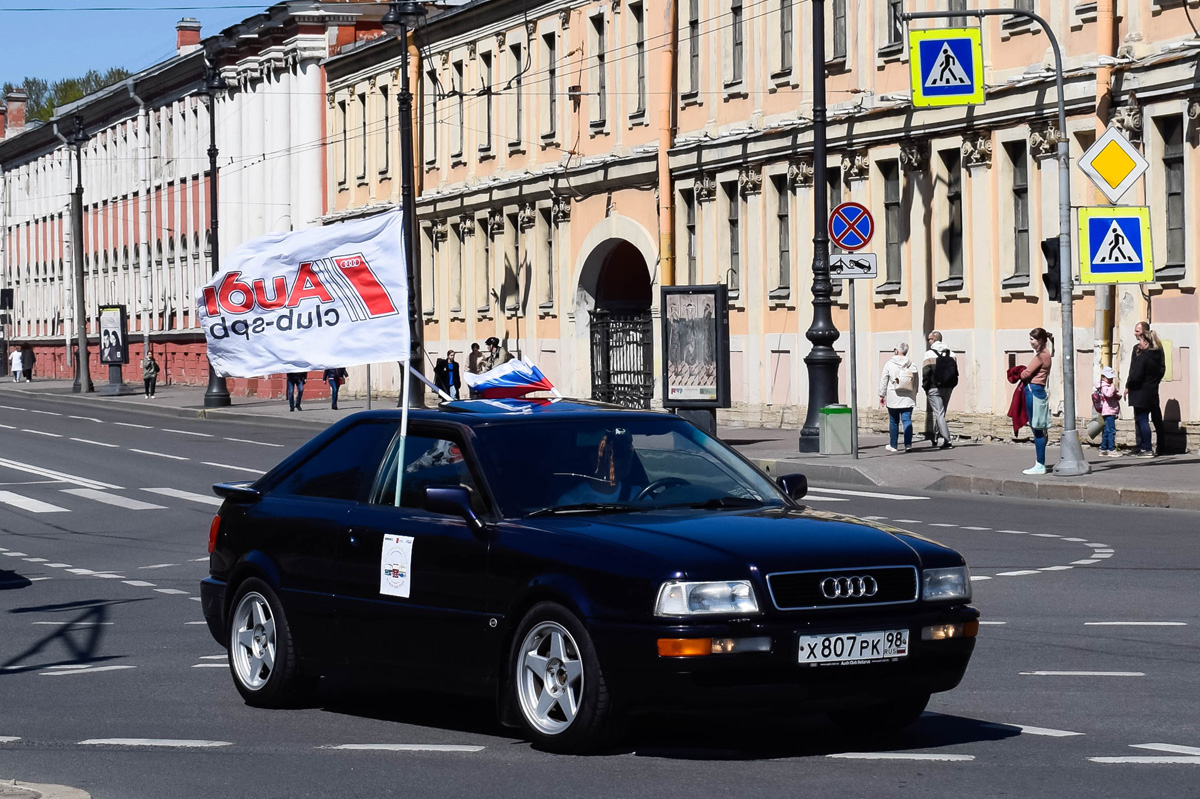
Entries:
{"x":318,"y":298}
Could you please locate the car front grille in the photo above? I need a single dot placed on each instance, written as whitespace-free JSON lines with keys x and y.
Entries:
{"x":803,"y":590}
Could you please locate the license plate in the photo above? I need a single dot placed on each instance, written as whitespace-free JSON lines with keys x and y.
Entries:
{"x":849,"y":648}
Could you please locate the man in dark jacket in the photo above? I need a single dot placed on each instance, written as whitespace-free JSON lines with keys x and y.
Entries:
{"x":446,"y":375}
{"x":28,"y":359}
{"x":1147,"y":367}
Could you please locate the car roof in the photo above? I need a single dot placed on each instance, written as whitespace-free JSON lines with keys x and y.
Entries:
{"x":472,"y":412}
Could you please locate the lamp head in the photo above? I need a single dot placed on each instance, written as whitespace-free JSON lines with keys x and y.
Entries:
{"x":401,"y":17}
{"x":78,"y":137}
{"x":214,"y":84}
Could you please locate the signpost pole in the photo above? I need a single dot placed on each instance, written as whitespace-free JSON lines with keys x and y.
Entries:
{"x":853,"y":379}
{"x":368,"y":387}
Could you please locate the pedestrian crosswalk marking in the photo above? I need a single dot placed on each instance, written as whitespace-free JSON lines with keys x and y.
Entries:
{"x":53,"y":475}
{"x":188,"y":495}
{"x":112,"y":499}
{"x":29,"y":504}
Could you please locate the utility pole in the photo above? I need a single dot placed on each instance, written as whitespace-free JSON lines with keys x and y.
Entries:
{"x":217,"y":393}
{"x":83,"y":380}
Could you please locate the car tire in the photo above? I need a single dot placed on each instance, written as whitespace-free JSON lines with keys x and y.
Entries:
{"x":556,"y":683}
{"x":885,"y":717}
{"x":262,"y":657}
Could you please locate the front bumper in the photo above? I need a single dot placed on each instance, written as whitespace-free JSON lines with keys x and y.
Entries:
{"x":641,"y":680}
{"x":212,"y":602}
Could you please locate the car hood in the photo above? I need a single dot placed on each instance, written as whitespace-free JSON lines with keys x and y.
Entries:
{"x":701,"y":544}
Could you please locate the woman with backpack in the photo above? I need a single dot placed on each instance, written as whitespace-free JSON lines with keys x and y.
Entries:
{"x":898,"y":393}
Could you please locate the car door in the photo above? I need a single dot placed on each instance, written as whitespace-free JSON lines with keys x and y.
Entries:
{"x":413,"y":584}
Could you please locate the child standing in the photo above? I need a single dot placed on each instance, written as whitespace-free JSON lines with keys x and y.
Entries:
{"x":1110,"y":407}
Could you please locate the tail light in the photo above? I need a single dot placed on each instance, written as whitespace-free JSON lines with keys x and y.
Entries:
{"x":213,"y":530}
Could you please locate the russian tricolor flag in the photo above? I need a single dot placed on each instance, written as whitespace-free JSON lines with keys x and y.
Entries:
{"x":513,"y":379}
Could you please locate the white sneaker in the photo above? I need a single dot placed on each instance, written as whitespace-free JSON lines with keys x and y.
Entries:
{"x":890,"y":448}
{"x":1037,"y":468}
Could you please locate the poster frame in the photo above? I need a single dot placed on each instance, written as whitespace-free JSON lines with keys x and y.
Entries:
{"x":106,"y":315}
{"x":719,"y":336}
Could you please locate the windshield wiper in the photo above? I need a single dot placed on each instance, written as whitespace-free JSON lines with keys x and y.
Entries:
{"x":719,"y":502}
{"x":589,"y":507}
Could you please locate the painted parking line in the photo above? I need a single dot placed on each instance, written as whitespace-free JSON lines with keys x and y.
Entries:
{"x":908,"y":521}
{"x":234,"y":468}
{"x":1082,"y":674}
{"x":1015,"y":532}
{"x":946,"y":758}
{"x":872,"y":494}
{"x":406,"y":748}
{"x":1055,"y":568}
{"x":1045,"y":535}
{"x":29,"y":504}
{"x":173,"y":743}
{"x":975,"y":578}
{"x":1135,"y":624}
{"x":188,"y":495}
{"x":995,"y":623}
{"x":208,"y":665}
{"x":11,"y":554}
{"x":44,"y":413}
{"x":942,"y":524}
{"x":977,"y":528}
{"x":128,"y":503}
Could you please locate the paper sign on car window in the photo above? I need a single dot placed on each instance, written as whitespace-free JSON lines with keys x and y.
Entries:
{"x":396,"y":565}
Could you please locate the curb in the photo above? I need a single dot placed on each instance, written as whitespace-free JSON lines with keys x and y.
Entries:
{"x":816,"y":472}
{"x":28,"y":790}
{"x":1069,"y":492}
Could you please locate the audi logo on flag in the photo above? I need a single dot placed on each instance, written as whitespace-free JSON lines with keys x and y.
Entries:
{"x":849,"y":587}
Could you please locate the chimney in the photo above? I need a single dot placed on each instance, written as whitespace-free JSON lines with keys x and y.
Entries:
{"x":187,"y":36}
{"x":3,"y":118}
{"x":15,"y":116}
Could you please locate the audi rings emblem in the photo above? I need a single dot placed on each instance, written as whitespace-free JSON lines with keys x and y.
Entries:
{"x":849,"y":587}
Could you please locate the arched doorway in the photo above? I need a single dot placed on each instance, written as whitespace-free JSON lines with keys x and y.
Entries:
{"x":622,"y":340}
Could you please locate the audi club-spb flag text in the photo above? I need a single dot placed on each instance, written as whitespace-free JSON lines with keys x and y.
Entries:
{"x":318,"y":298}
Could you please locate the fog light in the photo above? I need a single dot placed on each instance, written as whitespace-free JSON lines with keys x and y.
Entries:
{"x":940,"y":632}
{"x":684,"y":647}
{"x":725,"y":645}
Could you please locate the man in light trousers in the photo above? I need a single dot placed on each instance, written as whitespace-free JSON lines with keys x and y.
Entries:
{"x":938,"y":396}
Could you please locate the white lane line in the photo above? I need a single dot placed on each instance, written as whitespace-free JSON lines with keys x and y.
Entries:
{"x":977,"y":528}
{"x":30,"y":504}
{"x":909,"y":521}
{"x":188,"y":495}
{"x":159,"y":566}
{"x":59,"y":565}
{"x":1096,"y":546}
{"x":71,"y":666}
{"x":187,"y":433}
{"x":1055,"y":568}
{"x":874,"y":518}
{"x":97,"y":443}
{"x":818,"y":498}
{"x":169,"y":591}
{"x":1027,"y":730}
{"x":1045,"y":535}
{"x":81,"y":571}
{"x":902,"y":756}
{"x":112,"y":499}
{"x":138,"y":583}
{"x":1082,"y":674}
{"x":1175,"y":749}
{"x":8,"y":739}
{"x":1087,"y":562}
{"x":41,"y":433}
{"x":406,"y":747}
{"x":942,"y":524}
{"x":990,"y":623}
{"x":1098,"y":551}
{"x":83,"y":671}
{"x":45,"y":413}
{"x":845,"y":492}
{"x":248,"y":441}
{"x":7,"y":427}
{"x":109,"y":576}
{"x":1020,"y":573}
{"x":35,"y":560}
{"x":1015,"y":532}
{"x":158,"y":454}
{"x":208,"y":665}
{"x":234,"y":468}
{"x":1099,"y":554}
{"x":214,"y":657}
{"x":11,"y":554}
{"x":62,"y":477}
{"x":131,"y":424}
{"x":195,"y":622}
{"x":12,"y":408}
{"x":160,"y":742}
{"x":1076,"y":540}
{"x":74,"y":623}
{"x":978,"y":577}
{"x":1149,"y":761}
{"x":199,"y":560}
{"x":87,"y":419}
{"x":36,"y":579}
{"x":1135,"y":624}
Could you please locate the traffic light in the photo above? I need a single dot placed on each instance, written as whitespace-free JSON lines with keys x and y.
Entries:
{"x":1053,"y":276}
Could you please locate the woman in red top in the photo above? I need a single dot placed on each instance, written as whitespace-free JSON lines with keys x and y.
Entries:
{"x":1034,"y":376}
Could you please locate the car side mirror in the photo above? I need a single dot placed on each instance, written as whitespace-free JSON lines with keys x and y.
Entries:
{"x":452,"y":501}
{"x":240,"y":491}
{"x":794,"y":485}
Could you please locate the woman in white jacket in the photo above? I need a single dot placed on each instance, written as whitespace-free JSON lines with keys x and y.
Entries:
{"x":898,"y":393}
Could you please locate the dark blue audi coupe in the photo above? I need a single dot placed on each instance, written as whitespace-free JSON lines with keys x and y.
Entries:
{"x":579,"y":563}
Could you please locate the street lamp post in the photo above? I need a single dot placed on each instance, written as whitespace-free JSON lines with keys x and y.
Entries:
{"x":217,"y":393}
{"x":398,"y":21}
{"x":83,"y":379}
{"x":822,"y":361}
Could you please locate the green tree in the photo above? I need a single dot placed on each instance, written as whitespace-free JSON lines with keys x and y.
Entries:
{"x":44,"y":97}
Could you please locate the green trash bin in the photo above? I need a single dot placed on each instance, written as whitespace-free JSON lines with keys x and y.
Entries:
{"x":835,"y":426}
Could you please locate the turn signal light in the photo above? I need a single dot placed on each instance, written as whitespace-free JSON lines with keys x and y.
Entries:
{"x":684,"y":647}
{"x":940,"y":632}
{"x":213,"y":529}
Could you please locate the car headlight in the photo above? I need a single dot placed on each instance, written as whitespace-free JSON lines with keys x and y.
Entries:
{"x":953,"y":583}
{"x":678,"y":598}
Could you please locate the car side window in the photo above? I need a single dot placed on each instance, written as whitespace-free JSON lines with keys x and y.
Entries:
{"x":428,"y":462}
{"x":340,"y":469}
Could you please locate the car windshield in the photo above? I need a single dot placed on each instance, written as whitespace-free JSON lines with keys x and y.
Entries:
{"x":608,"y":465}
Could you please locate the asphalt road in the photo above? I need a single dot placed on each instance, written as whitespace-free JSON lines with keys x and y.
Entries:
{"x":1083,"y":682}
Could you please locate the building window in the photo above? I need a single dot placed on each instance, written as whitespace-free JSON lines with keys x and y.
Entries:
{"x":600,"y":101}
{"x":362,"y":131}
{"x":694,"y":45}
{"x":735,"y":236}
{"x":1020,"y":193}
{"x":895,"y":25}
{"x":456,"y":255}
{"x":785,"y":36}
{"x":515,"y":84}
{"x":483,"y":270}
{"x":459,"y":88}
{"x":839,"y":29}
{"x":485,"y":61}
{"x":340,"y":151}
{"x":892,"y":223}
{"x":689,"y":223}
{"x":546,"y":290}
{"x":512,"y":264}
{"x":431,"y":122}
{"x":1170,"y":129}
{"x":957,"y":5}
{"x":639,"y":25}
{"x":385,"y":152}
{"x":783,"y":220}
{"x":952,"y":234}
{"x":737,"y":35}
{"x":550,"y":51}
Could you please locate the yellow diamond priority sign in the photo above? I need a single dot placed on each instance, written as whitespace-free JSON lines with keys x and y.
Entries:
{"x":1113,"y":164}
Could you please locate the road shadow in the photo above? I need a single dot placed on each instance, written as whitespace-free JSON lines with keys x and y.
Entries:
{"x":10,"y":580}
{"x":352,"y":696}
{"x":81,"y":636}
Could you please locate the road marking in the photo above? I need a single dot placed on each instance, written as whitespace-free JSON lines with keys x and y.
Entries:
{"x":74,"y":623}
{"x":45,"y":413}
{"x":1045,"y":535}
{"x":34,"y":560}
{"x":1026,"y":730}
{"x":138,"y":583}
{"x":81,"y":571}
{"x":1077,"y":540}
{"x":990,"y":623}
{"x":159,"y":566}
{"x":40,"y":433}
{"x":1015,"y":532}
{"x":1082,"y":674}
{"x":816,"y":498}
{"x":873,"y":494}
{"x":1055,"y":568}
{"x":1149,"y":761}
{"x":62,"y":477}
{"x":1098,"y":551}
{"x":1020,"y":573}
{"x":208,"y":665}
{"x":83,"y":671}
{"x":128,"y":503}
{"x":164,"y":742}
{"x":874,"y":518}
{"x":87,"y":419}
{"x":1135,"y":624}
{"x":942,"y":524}
{"x":909,"y":521}
{"x":978,"y":577}
{"x":158,"y":454}
{"x":138,"y":426}
{"x":59,"y":565}
{"x":71,"y":666}
{"x":1097,"y":546}
{"x":187,"y":433}
{"x":30,"y":504}
{"x":97,"y":443}
{"x":1099,"y":554}
{"x":1172,"y":748}
{"x":977,"y":528}
{"x":406,"y":747}
{"x":8,"y":739}
{"x":195,"y":622}
{"x":108,"y":576}
{"x":205,"y":559}
{"x":169,"y":591}
{"x":8,"y":426}
{"x":175,"y":492}
{"x":213,"y":657}
{"x":235,"y":468}
{"x":1087,"y":562}
{"x":11,"y":408}
{"x":11,"y":554}
{"x":248,"y":441}
{"x":901,"y":756}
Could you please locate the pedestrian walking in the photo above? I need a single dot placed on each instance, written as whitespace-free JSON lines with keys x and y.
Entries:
{"x":1147,"y":367}
{"x":898,"y":393}
{"x":497,"y":354}
{"x":14,"y":363}
{"x":446,"y":374}
{"x":28,"y":359}
{"x":475,"y":360}
{"x":335,"y":378}
{"x":295,"y":390}
{"x":939,"y":376}
{"x":1107,"y":399}
{"x":149,"y":374}
{"x":1037,"y":402}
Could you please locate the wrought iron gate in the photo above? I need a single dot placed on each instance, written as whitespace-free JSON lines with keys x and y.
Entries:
{"x":623,"y":358}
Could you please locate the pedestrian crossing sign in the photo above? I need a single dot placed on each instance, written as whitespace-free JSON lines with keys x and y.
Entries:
{"x":947,"y":66}
{"x":1114,"y":245}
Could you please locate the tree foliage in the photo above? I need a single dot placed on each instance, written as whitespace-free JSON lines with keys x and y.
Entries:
{"x":44,"y":96}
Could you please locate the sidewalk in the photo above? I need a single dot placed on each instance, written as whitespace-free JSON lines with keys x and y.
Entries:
{"x":973,"y":468}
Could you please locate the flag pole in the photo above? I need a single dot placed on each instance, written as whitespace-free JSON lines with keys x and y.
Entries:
{"x":407,"y":381}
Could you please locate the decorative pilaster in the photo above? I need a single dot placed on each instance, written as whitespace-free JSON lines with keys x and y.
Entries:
{"x":914,"y":156}
{"x":856,"y":166}
{"x":1043,"y":140}
{"x":800,"y":173}
{"x":750,"y":180}
{"x":977,"y":149}
{"x":526,"y":216}
{"x":705,"y":188}
{"x":561,"y":209}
